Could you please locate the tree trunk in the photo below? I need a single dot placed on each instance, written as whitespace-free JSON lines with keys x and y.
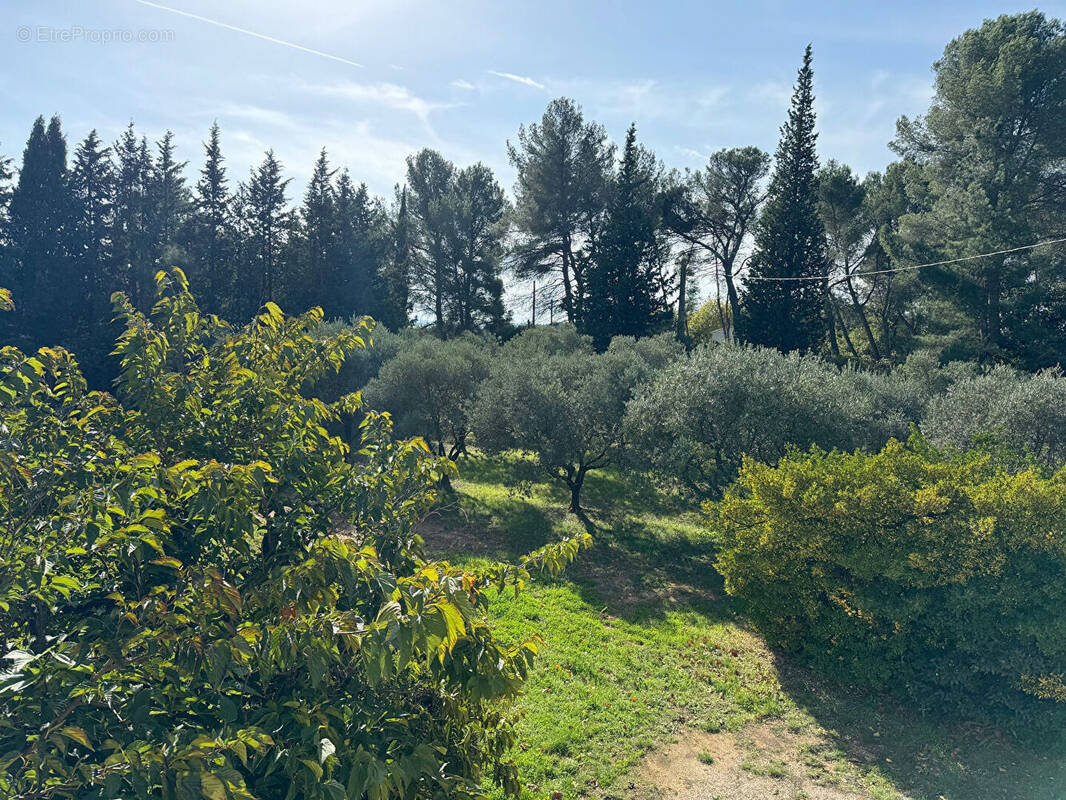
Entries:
{"x":575,"y":484}
{"x":682,"y":309}
{"x":991,"y":327}
{"x":731,"y":292}
{"x":831,"y":324}
{"x":874,"y":350}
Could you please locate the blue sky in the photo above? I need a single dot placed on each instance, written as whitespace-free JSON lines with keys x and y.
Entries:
{"x":461,"y":76}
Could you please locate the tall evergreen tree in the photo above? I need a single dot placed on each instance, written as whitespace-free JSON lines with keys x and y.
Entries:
{"x":359,"y":249}
{"x":715,"y":211}
{"x":319,"y":276}
{"x":131,"y":239}
{"x":850,"y":247}
{"x":46,"y":289}
{"x":92,"y":188}
{"x":429,"y":178}
{"x":790,"y":242}
{"x":624,"y":296}
{"x":168,"y":204}
{"x":990,"y":158}
{"x":209,"y":232}
{"x":6,"y":256}
{"x":564,"y":166}
{"x":474,"y":240}
{"x":5,"y":197}
{"x":393,"y":291}
{"x":266,"y":224}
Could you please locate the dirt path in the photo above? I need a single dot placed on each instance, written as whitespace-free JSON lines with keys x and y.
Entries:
{"x":762,"y":762}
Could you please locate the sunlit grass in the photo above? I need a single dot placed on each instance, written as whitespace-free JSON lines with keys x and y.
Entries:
{"x":641,"y":643}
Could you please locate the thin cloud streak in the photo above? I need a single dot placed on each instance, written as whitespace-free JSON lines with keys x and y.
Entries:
{"x":246,"y":32}
{"x":517,"y":78}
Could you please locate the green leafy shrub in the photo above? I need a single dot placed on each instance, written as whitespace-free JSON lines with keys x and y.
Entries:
{"x":1025,"y":412}
{"x":905,"y":570}
{"x":181,"y":618}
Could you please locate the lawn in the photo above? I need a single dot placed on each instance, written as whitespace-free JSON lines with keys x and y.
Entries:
{"x":644,"y":653}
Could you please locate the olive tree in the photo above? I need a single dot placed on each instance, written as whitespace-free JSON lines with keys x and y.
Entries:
{"x":1027,"y":413}
{"x":548,"y":340}
{"x":566,"y":408}
{"x":429,"y":389}
{"x":702,"y":414}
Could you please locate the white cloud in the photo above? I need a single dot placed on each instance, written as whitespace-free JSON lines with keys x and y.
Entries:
{"x":383,"y":95}
{"x":712,"y":97}
{"x":247,"y":131}
{"x":773,"y":93}
{"x":459,"y":83}
{"x":692,"y":154}
{"x":517,"y":78}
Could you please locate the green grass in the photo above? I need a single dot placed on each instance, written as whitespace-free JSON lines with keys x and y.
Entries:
{"x":641,"y":644}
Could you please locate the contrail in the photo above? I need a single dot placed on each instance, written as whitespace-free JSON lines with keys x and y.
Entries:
{"x":247,"y":32}
{"x":517,"y":78}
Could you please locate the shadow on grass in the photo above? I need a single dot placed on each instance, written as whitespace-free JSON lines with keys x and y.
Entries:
{"x":927,"y":756}
{"x":642,"y":563}
{"x":650,"y":556}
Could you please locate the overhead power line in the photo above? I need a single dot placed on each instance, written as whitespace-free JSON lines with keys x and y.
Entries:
{"x":905,"y":269}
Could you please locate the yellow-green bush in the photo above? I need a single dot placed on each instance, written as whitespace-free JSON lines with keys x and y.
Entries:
{"x":906,"y":570}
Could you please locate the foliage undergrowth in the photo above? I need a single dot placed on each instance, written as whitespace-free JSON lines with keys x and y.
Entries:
{"x":180,"y":617}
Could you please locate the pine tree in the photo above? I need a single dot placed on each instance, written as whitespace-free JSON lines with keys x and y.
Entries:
{"x":360,"y":249}
{"x":790,"y":241}
{"x":45,"y":288}
{"x":474,"y":210}
{"x":429,"y":178}
{"x":564,"y":166}
{"x":131,"y":240}
{"x":623,"y":295}
{"x":168,"y":203}
{"x":209,"y":233}
{"x":266,"y":223}
{"x":92,"y":188}
{"x":319,"y":276}
{"x":393,"y":279}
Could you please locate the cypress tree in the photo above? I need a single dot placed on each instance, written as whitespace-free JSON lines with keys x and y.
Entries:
{"x":130,"y":235}
{"x":168,"y":202}
{"x":318,"y":276}
{"x":790,"y":241}
{"x":266,"y":224}
{"x":92,"y":188}
{"x":209,"y":236}
{"x":394,"y":277}
{"x":623,"y":297}
{"x":360,"y":249}
{"x":46,"y":290}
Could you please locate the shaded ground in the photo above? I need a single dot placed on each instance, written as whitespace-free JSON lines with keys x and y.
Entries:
{"x":647,"y":666}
